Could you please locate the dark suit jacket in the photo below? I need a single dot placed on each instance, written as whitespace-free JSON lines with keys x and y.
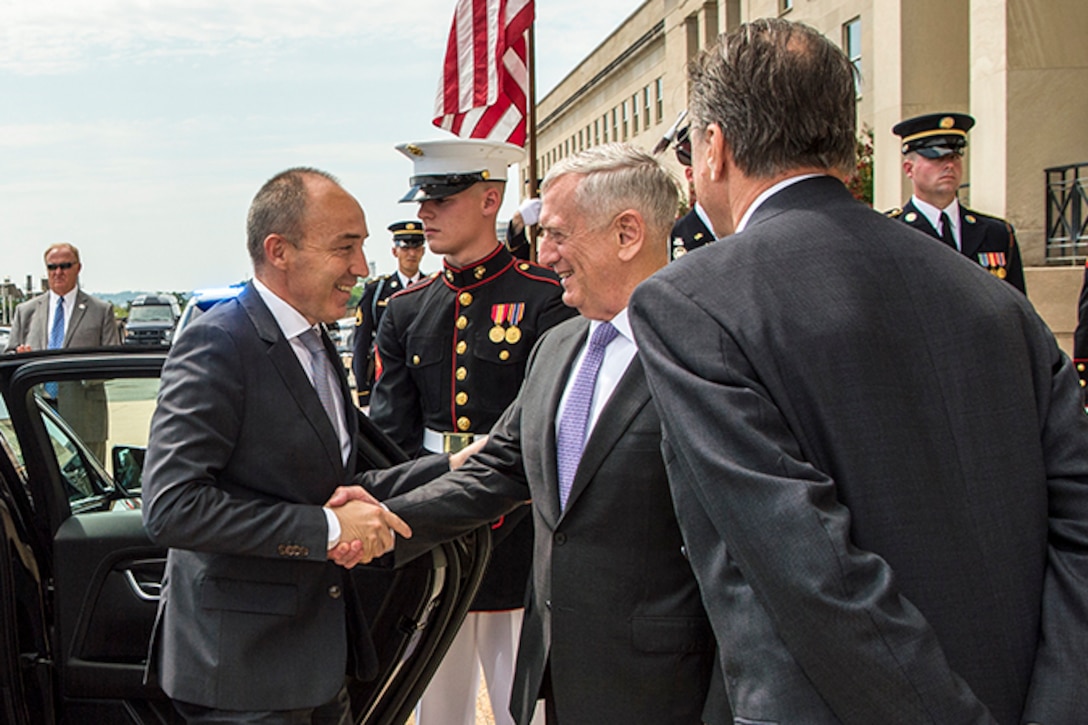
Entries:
{"x":876,"y":540}
{"x":240,"y":459}
{"x":612,"y":603}
{"x":987,"y":240}
{"x":81,"y":403}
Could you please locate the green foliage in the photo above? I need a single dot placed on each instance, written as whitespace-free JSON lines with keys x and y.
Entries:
{"x":860,"y":182}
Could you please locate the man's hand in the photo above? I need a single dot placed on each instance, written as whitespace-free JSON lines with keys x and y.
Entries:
{"x":366,"y":532}
{"x":458,"y":459}
{"x":343,"y":494}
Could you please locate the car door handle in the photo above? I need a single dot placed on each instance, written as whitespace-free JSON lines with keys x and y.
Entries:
{"x":143,"y":585}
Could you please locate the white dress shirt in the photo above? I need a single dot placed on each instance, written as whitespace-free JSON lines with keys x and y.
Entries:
{"x":617,"y":356}
{"x":933,"y":215}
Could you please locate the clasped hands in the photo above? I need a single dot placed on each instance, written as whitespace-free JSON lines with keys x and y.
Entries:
{"x":367,"y":529}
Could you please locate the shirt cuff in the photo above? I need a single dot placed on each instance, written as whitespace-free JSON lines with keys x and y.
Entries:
{"x":334,"y":527}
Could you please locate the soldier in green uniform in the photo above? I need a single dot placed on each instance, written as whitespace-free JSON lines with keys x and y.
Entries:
{"x":408,"y":251}
{"x":453,"y":351}
{"x":933,"y":147}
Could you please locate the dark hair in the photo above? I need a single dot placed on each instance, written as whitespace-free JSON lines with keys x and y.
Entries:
{"x":280,"y":208}
{"x":783,"y":95}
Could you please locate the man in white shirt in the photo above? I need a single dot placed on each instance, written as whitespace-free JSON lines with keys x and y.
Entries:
{"x":68,"y":317}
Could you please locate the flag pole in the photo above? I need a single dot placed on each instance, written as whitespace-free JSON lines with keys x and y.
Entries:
{"x":530,"y":62}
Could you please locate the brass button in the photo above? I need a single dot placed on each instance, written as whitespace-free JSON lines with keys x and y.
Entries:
{"x":465,"y":299}
{"x":462,"y":322}
{"x":461,"y":347}
{"x":334,"y":591}
{"x":449,"y":275}
{"x":463,"y":423}
{"x":1080,"y":367}
{"x":462,"y":373}
{"x":461,"y":398}
{"x":415,"y":359}
{"x":479,"y":272}
{"x":524,"y":266}
{"x":504,"y":355}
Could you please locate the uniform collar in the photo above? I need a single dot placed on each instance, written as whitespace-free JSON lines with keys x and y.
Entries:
{"x":478,"y":272}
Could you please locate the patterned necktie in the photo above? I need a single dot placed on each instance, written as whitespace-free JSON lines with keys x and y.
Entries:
{"x":946,"y":231}
{"x":571,"y":439}
{"x":322,"y":371}
{"x":56,"y":341}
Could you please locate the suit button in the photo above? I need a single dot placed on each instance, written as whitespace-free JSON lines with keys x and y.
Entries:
{"x":334,"y":591}
{"x":684,"y":551}
{"x":560,"y":538}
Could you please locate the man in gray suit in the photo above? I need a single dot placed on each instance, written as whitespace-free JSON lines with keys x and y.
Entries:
{"x":614,"y":631}
{"x":68,"y":317}
{"x":253,"y":433}
{"x":864,"y":555}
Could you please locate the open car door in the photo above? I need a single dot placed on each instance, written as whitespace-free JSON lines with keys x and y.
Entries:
{"x":80,"y":580}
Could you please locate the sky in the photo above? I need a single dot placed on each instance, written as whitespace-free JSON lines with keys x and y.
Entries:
{"x":139,"y":130}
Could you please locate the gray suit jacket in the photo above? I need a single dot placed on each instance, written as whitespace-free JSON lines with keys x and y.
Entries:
{"x":876,"y":540}
{"x":81,"y":403}
{"x":92,"y":324}
{"x":240,"y":459}
{"x":613,"y":606}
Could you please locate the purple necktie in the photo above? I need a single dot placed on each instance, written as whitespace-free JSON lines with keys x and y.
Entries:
{"x":571,"y":439}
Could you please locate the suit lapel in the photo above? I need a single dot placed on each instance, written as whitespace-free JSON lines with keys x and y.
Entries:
{"x":283,"y":358}
{"x":630,"y":396}
{"x":971,"y":233}
{"x":78,"y":310}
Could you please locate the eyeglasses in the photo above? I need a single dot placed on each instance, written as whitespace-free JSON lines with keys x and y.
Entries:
{"x":60,"y":265}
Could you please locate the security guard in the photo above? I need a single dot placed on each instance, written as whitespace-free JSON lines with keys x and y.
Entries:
{"x":408,"y":251}
{"x":933,"y":147}
{"x":692,"y":230}
{"x":453,"y":351}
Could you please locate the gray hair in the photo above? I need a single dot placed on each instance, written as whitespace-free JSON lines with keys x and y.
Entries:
{"x":783,"y":95}
{"x":62,"y":245}
{"x":618,"y":176}
{"x":280,"y":208}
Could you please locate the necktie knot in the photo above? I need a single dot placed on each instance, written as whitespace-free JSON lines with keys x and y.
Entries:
{"x":312,"y":340}
{"x":605,"y":333}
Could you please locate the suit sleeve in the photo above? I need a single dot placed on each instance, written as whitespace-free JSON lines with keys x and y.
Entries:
{"x":1057,"y":693}
{"x":19,"y":326}
{"x":194,"y":431}
{"x":395,"y":405}
{"x":109,"y":337}
{"x":734,"y":462}
{"x":490,"y":485}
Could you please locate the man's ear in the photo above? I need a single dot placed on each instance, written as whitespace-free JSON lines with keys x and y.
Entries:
{"x":492,"y":198}
{"x":908,"y":166}
{"x":717,"y":149}
{"x":630,"y":228}
{"x":275,"y":250}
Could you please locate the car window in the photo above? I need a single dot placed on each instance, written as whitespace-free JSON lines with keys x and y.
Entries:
{"x":151,"y":313}
{"x":98,"y":431}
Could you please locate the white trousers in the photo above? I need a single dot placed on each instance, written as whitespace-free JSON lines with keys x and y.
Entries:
{"x":488,"y":641}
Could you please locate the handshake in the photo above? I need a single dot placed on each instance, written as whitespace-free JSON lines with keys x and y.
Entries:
{"x":366,"y":527}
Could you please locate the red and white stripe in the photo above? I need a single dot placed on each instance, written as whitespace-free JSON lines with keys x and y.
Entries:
{"x":485,"y":81}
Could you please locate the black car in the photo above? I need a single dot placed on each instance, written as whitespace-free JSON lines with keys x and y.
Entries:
{"x":80,"y":580}
{"x":151,"y":320}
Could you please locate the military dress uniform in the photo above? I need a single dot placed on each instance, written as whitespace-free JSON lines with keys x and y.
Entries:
{"x":1080,"y":338}
{"x":986,"y":239}
{"x":688,"y":233}
{"x":453,"y":350}
{"x":368,"y":314}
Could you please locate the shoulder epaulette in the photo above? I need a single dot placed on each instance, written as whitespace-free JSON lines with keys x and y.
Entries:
{"x":421,"y":284}
{"x":539,"y":272}
{"x":894,"y":213}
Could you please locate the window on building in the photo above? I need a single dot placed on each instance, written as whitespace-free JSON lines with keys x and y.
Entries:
{"x":615,"y":127}
{"x":626,"y":121}
{"x":634,"y":114}
{"x":851,"y":45}
{"x":581,"y":140}
{"x":659,"y":100}
{"x":646,"y":106}
{"x":596,"y":132}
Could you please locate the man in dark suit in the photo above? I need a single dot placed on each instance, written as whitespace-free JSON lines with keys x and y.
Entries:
{"x":68,"y":317}
{"x":253,"y":433}
{"x":863,"y":554}
{"x":933,"y":147}
{"x":614,"y":630}
{"x":408,"y":251}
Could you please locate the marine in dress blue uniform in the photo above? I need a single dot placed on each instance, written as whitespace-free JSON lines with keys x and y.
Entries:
{"x":692,"y":230}
{"x":933,"y":147}
{"x":453,"y":351}
{"x":407,"y":236}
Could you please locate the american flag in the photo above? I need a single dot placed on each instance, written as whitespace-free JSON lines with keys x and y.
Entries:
{"x":485,"y":79}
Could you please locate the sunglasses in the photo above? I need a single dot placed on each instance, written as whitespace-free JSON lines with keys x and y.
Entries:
{"x":60,"y":265}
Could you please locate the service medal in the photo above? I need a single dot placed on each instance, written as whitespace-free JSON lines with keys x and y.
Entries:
{"x":513,"y":334}
{"x":496,"y":334}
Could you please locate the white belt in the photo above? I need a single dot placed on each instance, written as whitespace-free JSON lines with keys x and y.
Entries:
{"x":438,"y":442}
